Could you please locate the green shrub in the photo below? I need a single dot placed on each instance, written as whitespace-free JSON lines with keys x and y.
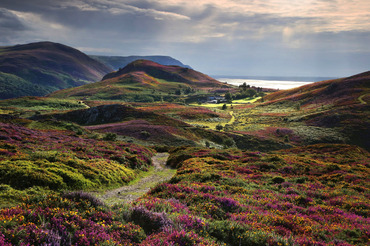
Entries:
{"x":301,"y":180}
{"x":23,"y":174}
{"x":277,"y":180}
{"x":110,"y":136}
{"x":145,"y":134}
{"x":229,"y":142}
{"x":73,"y":179}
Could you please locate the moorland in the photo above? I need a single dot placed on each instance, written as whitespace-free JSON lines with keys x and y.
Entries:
{"x":156,"y":154}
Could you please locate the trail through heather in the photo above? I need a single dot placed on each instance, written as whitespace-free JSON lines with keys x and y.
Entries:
{"x":360,"y":98}
{"x":129,"y":193}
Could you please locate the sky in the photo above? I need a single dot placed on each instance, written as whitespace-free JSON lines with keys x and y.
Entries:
{"x":328,"y":38}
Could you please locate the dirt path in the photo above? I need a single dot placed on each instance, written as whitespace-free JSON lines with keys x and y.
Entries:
{"x":131,"y":192}
{"x":232,"y":120}
{"x":362,"y":100}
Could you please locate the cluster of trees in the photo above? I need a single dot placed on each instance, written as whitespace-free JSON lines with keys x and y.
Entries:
{"x":245,"y":91}
{"x":187,"y":90}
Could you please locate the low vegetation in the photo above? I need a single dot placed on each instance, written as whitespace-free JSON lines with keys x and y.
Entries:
{"x":61,"y":159}
{"x":286,"y":168}
{"x":315,"y":195}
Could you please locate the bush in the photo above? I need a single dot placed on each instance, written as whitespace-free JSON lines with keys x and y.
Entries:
{"x":24,"y":174}
{"x":150,"y":221}
{"x":219,"y":127}
{"x":110,"y":136}
{"x":145,"y":134}
{"x":78,"y":196}
{"x":278,"y":180}
{"x":229,"y":142}
{"x":73,"y":179}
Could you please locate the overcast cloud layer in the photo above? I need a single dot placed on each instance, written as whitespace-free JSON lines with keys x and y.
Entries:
{"x":217,"y":37}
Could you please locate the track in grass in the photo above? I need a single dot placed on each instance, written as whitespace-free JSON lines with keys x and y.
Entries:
{"x":129,"y":193}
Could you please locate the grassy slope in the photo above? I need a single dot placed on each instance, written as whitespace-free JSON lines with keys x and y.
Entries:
{"x":50,"y":66}
{"x":13,"y":86}
{"x":339,"y":92}
{"x":55,"y":158}
{"x":334,"y":111}
{"x":41,"y":104}
{"x":140,"y":124}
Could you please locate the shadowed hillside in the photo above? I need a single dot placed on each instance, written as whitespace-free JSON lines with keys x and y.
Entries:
{"x":43,"y":67}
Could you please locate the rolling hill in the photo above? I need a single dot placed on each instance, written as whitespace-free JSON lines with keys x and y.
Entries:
{"x":334,"y":111}
{"x":144,"y":80}
{"x":136,"y":125}
{"x":337,"y":92}
{"x":117,"y":62}
{"x":36,"y":69}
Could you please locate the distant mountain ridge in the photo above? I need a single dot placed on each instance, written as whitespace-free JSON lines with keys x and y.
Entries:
{"x":117,"y":62}
{"x":43,"y":67}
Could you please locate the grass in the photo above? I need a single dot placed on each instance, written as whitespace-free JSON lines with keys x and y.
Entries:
{"x":234,"y":103}
{"x":41,"y":104}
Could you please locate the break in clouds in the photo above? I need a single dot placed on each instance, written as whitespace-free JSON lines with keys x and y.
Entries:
{"x":275,"y":37}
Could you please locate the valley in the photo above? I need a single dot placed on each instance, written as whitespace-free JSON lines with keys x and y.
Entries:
{"x":157,"y":154}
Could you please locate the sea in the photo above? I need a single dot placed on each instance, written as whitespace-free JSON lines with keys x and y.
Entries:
{"x":278,"y":83}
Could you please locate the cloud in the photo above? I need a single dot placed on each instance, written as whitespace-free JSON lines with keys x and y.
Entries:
{"x":242,"y":35}
{"x":121,"y":8}
{"x":10,"y":26}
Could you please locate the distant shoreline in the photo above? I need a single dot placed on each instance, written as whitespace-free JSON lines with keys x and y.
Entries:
{"x":276,"y":78}
{"x":277,"y":83}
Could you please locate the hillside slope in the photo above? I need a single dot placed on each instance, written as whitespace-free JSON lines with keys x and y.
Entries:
{"x":117,"y":62}
{"x":143,"y":80}
{"x":333,"y":111}
{"x":48,"y":67}
{"x":338,"y":92}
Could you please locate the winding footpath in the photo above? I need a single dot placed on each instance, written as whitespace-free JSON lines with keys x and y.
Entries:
{"x":361,"y":98}
{"x":129,"y":193}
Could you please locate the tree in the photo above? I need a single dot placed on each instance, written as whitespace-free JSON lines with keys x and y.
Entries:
{"x":228,"y":97}
{"x":250,"y":92}
{"x":244,"y":86}
{"x":228,"y":142}
{"x":219,"y":127}
{"x":110,"y":136}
